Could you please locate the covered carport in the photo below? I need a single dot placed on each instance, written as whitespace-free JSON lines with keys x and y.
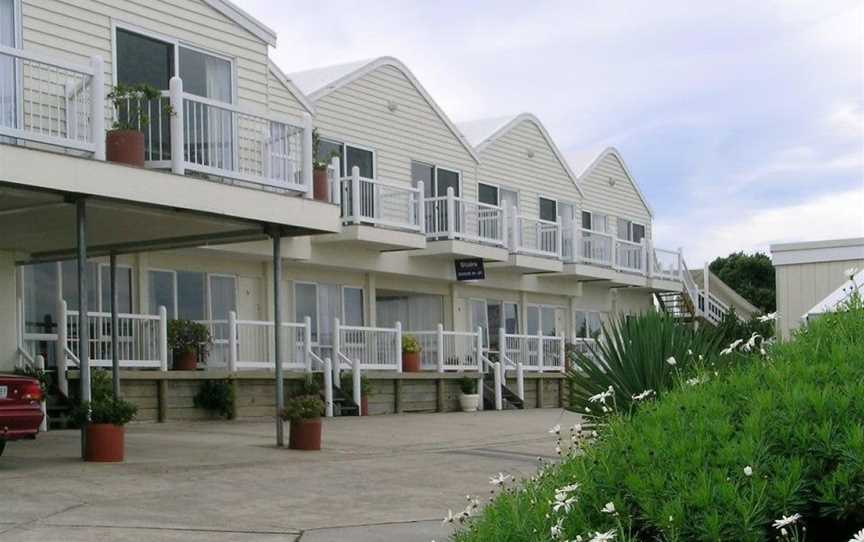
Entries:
{"x":57,"y":207}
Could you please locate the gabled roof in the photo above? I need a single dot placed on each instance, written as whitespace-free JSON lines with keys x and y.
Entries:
{"x":319,"y":82}
{"x":838,"y":296}
{"x":592,"y":163}
{"x":250,"y":23}
{"x":482,"y":133}
{"x":291,"y":86}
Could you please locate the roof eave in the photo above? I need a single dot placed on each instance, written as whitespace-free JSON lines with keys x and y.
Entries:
{"x":244,"y":19}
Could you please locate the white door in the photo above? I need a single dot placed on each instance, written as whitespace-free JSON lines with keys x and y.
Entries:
{"x":8,"y":85}
{"x":509,"y":201}
{"x":567,"y":216}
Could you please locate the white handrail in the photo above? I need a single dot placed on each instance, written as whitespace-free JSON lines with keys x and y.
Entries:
{"x":451,"y":217}
{"x":535,"y":236}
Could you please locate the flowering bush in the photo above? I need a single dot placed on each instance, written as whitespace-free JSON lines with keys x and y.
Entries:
{"x":770,"y":449}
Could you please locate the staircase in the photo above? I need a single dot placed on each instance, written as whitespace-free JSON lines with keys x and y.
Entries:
{"x":677,"y":305}
{"x":343,"y":403}
{"x":692,"y":303}
{"x":511,"y":400}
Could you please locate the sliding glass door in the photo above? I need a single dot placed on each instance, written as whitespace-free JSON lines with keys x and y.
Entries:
{"x":8,"y":79}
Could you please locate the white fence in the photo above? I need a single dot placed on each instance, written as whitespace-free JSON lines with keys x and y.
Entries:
{"x":450,"y":217}
{"x":449,"y":350}
{"x":536,"y":237}
{"x":630,"y":256}
{"x":533,"y":352}
{"x":253,"y":345}
{"x":380,"y":203}
{"x":666,"y":264}
{"x":141,"y":339}
{"x":52,"y":102}
{"x":594,"y":247}
{"x":374,"y":348}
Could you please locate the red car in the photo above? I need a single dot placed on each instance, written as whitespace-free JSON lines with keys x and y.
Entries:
{"x":20,"y":408}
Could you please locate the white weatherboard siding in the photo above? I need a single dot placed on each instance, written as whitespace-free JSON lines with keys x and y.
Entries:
{"x":358,"y":113}
{"x":505,"y":162}
{"x":619,"y":200}
{"x":75,"y":30}
{"x":281,"y":99}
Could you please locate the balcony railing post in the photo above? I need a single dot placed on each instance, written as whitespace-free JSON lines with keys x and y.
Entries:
{"x":163,"y":338}
{"x":440,"y":343}
{"x":421,"y":207}
{"x":648,"y":255}
{"x":680,"y":275}
{"x":502,"y":343}
{"x":62,"y":332}
{"x":498,"y":401}
{"x":576,"y":249}
{"x":97,"y":107}
{"x":307,"y":342}
{"x":561,"y":353}
{"x":451,"y":213}
{"x":328,"y":388}
{"x":479,"y":344}
{"x":336,"y":186}
{"x":175,"y":98}
{"x":559,"y":237}
{"x":540,"y":353}
{"x":355,"y":194}
{"x":399,"y":347}
{"x":517,"y":235}
{"x":306,"y":171}
{"x":337,"y":355}
{"x":356,"y":391}
{"x":504,"y":237}
{"x":232,"y":342}
{"x":520,"y":380}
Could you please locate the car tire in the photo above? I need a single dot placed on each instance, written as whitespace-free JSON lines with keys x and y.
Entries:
{"x":2,"y":446}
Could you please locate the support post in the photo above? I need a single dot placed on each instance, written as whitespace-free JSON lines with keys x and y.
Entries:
{"x":175,"y":97}
{"x":355,"y":195}
{"x":649,"y":257}
{"x":40,"y":364}
{"x":97,"y":107}
{"x":307,"y":155}
{"x":398,"y":347}
{"x":307,"y":343}
{"x":451,"y":213}
{"x":277,"y":334}
{"x":336,"y":186}
{"x":520,"y":380}
{"x":562,"y":354}
{"x":115,"y":322}
{"x":577,"y":243}
{"x":337,"y":357}
{"x":83,"y":323}
{"x":559,"y":238}
{"x":478,"y":344}
{"x":328,"y":388}
{"x":498,"y":401}
{"x":62,"y":381}
{"x":355,"y":381}
{"x":516,"y":234}
{"x":480,"y":382}
{"x":421,"y":207}
{"x":232,"y":342}
{"x":504,"y":227}
{"x":540,"y":353}
{"x":440,"y":344}
{"x":163,"y":338}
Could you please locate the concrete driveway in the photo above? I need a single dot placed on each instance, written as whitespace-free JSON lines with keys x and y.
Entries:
{"x":379,"y":478}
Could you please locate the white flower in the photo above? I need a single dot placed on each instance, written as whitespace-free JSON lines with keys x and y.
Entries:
{"x":600,"y":397}
{"x":555,"y":430}
{"x":768,"y":317}
{"x":689,"y":352}
{"x":644,"y":395}
{"x":577,"y":428}
{"x":671,"y":361}
{"x":693,"y":381}
{"x":449,"y":518}
{"x":748,"y":471}
{"x":858,"y":537}
{"x":786,"y":520}
{"x":851,"y":272}
{"x":555,"y":531}
{"x":609,"y":508}
{"x":603,"y":537}
{"x":567,"y":489}
{"x":499,"y":479}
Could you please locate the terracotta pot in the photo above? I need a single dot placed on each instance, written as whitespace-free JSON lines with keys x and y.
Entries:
{"x":125,"y":147}
{"x":319,"y":184}
{"x":364,"y":406}
{"x":187,"y":361}
{"x":411,"y":362}
{"x":104,"y":442}
{"x":305,"y":434}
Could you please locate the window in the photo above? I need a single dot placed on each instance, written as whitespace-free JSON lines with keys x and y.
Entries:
{"x":630,"y":231}
{"x":124,"y":288}
{"x":416,"y":312}
{"x":544,"y":320}
{"x":161,"y":292}
{"x":323,"y":303}
{"x":426,"y":173}
{"x":594,"y":221}
{"x":349,"y":156}
{"x":436,"y":179}
{"x":486,"y":193}
{"x":548,"y":209}
{"x":498,"y":315}
{"x":70,"y":285}
{"x":8,"y":84}
{"x":352,"y":299}
{"x":190,"y":295}
{"x":205,"y":75}
{"x":306,"y":304}
{"x":587,"y":324}
{"x":40,"y":296}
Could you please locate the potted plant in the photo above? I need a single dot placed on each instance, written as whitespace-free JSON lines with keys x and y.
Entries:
{"x":104,"y":433}
{"x":187,"y":340}
{"x":319,"y":168}
{"x":304,"y":414}
{"x":366,"y":391}
{"x":410,"y":354}
{"x":216,"y":397}
{"x":124,"y":143}
{"x":469,"y":399}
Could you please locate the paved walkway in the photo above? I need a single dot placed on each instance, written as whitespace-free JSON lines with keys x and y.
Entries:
{"x":380,"y":478}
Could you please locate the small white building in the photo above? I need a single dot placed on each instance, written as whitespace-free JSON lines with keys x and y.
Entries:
{"x":809,"y":272}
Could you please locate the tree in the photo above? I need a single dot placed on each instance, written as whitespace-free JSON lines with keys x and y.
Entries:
{"x":751,"y":275}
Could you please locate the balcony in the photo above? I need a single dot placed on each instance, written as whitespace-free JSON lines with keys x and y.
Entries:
{"x":57,"y":105}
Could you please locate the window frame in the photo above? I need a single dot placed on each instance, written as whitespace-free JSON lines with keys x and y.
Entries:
{"x":99,"y":268}
{"x":497,"y":188}
{"x":540,"y":307}
{"x":592,"y":214}
{"x":208,"y":301}
{"x":343,"y":155}
{"x":435,"y":169}
{"x":316,"y":323}
{"x":540,"y":199}
{"x":362,"y":302}
{"x":176,"y":44}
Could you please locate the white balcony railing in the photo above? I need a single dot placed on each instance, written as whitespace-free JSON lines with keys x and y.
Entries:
{"x":372,"y":348}
{"x":141,"y":339}
{"x":378,"y":203}
{"x":533,"y":352}
{"x":57,"y":103}
{"x":535,"y":236}
{"x":667,"y":264}
{"x":450,"y":217}
{"x":449,"y":350}
{"x":594,"y":247}
{"x":53,"y":102}
{"x":630,"y":256}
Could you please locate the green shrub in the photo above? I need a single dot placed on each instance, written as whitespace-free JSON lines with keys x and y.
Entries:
{"x":468,"y":385}
{"x":410,"y":344}
{"x":303,"y":407}
{"x":113,"y":411}
{"x":645,"y":354}
{"x":721,"y":460}
{"x":734,"y":328}
{"x":366,"y":389}
{"x":216,"y":396}
{"x":188,"y":336}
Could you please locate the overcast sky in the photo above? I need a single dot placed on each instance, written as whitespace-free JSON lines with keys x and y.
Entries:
{"x":742,"y":121}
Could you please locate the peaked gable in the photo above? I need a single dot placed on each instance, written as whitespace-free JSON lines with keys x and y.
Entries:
{"x":608,"y":168}
{"x":247,"y":21}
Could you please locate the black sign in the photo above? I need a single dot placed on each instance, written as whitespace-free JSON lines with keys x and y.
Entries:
{"x":470,"y":269}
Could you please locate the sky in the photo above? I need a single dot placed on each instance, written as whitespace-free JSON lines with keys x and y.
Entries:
{"x":742,"y":121}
